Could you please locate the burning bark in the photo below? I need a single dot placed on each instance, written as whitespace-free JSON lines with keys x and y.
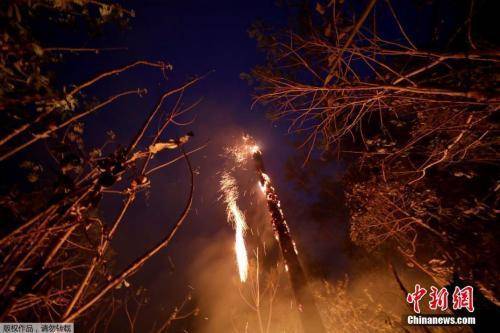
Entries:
{"x":309,"y":315}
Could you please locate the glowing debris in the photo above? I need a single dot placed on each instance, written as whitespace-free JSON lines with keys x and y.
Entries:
{"x":237,"y":219}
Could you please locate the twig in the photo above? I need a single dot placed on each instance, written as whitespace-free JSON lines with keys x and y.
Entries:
{"x":131,"y":269}
{"x":46,"y":133}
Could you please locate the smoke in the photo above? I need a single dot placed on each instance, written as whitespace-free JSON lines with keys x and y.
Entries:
{"x":263,"y":303}
{"x":368,"y":301}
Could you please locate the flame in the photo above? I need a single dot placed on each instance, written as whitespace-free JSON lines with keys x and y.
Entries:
{"x":265,"y":184}
{"x":241,"y":153}
{"x":236,"y":217}
{"x":253,"y":149}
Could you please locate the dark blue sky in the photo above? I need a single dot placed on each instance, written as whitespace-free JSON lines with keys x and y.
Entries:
{"x":196,"y":37}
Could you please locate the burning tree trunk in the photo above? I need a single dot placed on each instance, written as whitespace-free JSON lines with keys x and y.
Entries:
{"x":309,"y":315}
{"x":416,"y":125}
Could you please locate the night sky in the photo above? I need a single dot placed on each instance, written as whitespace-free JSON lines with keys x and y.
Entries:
{"x":196,"y":37}
{"x":210,"y":39}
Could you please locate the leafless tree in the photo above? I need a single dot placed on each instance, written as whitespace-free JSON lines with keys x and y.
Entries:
{"x":411,"y":120}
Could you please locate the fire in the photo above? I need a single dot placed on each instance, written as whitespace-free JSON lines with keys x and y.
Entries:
{"x":254,"y":149}
{"x":263,"y":184}
{"x":236,"y":217}
{"x":242,"y":153}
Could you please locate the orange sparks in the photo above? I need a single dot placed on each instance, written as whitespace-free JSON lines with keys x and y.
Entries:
{"x":235,"y":217}
{"x":241,"y":153}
